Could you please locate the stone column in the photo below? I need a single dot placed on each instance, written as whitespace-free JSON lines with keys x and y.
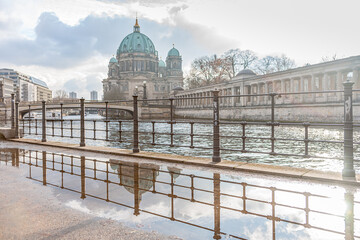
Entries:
{"x":242,"y":92}
{"x":282,"y":86}
{"x":266,"y":90}
{"x":325,"y":86}
{"x":356,"y":80}
{"x":292,"y":89}
{"x":233,"y":92}
{"x":252,"y":99}
{"x":301,"y":97}
{"x":313,"y":88}
{"x":339,"y":81}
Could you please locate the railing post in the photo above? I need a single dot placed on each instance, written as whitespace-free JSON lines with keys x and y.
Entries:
{"x":272,"y":95}
{"x":43,"y":122}
{"x":12,"y":111}
{"x":348,"y":171}
{"x":171,"y":122}
{"x":171,"y":109}
{"x":16,"y":120}
{"x":61,"y":120}
{"x":216,"y":132}
{"x":29,"y":123}
{"x":82,"y":174}
{"x":44,"y":167}
{"x":106,"y":121}
{"x":82,"y":122}
{"x":135,"y":126}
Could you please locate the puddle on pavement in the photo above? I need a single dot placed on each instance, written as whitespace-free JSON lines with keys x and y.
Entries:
{"x":193,"y":204}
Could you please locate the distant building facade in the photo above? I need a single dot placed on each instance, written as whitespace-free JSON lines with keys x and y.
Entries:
{"x":72,"y":95}
{"x":27,"y":88}
{"x":6,"y":88}
{"x":327,"y":76}
{"x":94,"y":95}
{"x":138,"y":70}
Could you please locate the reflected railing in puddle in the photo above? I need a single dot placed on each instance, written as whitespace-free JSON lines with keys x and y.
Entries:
{"x":275,"y":204}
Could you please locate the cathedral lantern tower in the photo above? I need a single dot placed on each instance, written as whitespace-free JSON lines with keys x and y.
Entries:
{"x":174,"y":63}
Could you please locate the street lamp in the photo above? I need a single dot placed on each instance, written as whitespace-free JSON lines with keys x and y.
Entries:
{"x":136,"y":91}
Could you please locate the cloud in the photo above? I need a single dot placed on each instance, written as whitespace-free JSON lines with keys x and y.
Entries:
{"x":59,"y":45}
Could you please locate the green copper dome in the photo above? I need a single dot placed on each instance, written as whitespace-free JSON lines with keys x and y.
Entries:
{"x":113,"y":60}
{"x":136,"y":42}
{"x":174,"y":52}
{"x":162,"y":63}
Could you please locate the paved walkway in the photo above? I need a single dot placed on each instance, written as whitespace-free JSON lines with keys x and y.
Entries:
{"x":30,"y":211}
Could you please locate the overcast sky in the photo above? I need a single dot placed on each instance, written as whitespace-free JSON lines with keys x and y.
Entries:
{"x":68,"y":43}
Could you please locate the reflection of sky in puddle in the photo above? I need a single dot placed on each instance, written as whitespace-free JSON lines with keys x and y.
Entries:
{"x":169,"y":209}
{"x":231,"y":139}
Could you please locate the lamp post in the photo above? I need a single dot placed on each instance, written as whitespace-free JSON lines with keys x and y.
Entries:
{"x":348,"y":171}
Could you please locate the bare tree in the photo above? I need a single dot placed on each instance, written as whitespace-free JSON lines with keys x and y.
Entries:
{"x":232,"y":60}
{"x":247,"y":58}
{"x":206,"y":71}
{"x":60,"y":94}
{"x":329,"y":58}
{"x":271,"y":64}
{"x":283,"y":63}
{"x":265,"y":65}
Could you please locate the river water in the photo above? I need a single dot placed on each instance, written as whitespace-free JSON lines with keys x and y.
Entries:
{"x":328,"y":155}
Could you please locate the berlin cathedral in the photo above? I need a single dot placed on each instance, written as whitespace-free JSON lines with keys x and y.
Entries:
{"x":138,"y":70}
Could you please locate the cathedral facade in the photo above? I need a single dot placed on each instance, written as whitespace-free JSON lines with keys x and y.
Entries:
{"x":138,"y":70}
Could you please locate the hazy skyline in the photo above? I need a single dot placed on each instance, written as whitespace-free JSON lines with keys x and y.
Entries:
{"x":68,"y":43}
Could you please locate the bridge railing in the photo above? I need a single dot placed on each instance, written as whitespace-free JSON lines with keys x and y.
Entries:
{"x":237,"y":139}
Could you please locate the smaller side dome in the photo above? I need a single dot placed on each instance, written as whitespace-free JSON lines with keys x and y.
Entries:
{"x":174,"y":52}
{"x":113,"y":60}
{"x":162,"y":63}
{"x":246,"y":73}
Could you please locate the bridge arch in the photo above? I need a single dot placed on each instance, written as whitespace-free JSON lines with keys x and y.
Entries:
{"x":25,"y":109}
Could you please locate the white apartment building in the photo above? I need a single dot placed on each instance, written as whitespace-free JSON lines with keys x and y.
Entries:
{"x":6,"y":88}
{"x":25,"y":87}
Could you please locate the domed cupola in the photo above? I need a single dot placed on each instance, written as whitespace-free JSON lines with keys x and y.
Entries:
{"x":246,"y":73}
{"x":136,"y":42}
{"x":113,"y":60}
{"x":162,"y":63}
{"x":174,"y":52}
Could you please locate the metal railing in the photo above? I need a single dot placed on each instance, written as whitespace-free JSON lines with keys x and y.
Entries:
{"x":143,"y":178}
{"x":80,"y":128}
